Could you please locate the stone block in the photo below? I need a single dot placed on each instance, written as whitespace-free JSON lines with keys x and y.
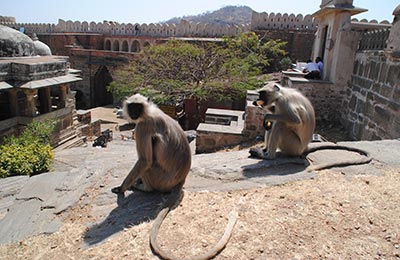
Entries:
{"x":383,"y":72}
{"x":84,"y":117}
{"x":360,"y":107}
{"x":95,"y":128}
{"x":374,"y":70}
{"x":353,"y":102}
{"x":386,"y":90}
{"x":396,"y":92}
{"x":85,"y":130}
{"x":393,"y":77}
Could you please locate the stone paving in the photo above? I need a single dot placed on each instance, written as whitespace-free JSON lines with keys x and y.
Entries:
{"x":35,"y":205}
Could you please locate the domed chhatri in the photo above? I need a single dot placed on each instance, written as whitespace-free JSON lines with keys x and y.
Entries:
{"x":41,"y":48}
{"x":15,"y":44}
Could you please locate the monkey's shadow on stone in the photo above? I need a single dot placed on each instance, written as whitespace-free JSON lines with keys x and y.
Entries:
{"x":126,"y":127}
{"x":282,"y":165}
{"x":136,"y":208}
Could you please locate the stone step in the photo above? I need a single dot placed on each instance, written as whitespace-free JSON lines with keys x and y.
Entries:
{"x":73,"y":142}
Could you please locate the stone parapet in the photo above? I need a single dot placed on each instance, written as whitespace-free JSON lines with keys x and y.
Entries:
{"x":325,"y":96}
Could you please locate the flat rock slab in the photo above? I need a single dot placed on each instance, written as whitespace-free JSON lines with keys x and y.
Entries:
{"x":36,"y":205}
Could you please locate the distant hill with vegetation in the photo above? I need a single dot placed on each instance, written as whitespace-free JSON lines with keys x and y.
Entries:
{"x":226,"y":15}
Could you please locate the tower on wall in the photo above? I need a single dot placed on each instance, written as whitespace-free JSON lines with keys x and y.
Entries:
{"x":335,"y":42}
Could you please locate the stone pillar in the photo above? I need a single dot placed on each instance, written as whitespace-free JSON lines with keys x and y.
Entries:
{"x":30,"y":102}
{"x":45,"y":100}
{"x":13,"y":101}
{"x":63,"y":96}
{"x":393,"y":42}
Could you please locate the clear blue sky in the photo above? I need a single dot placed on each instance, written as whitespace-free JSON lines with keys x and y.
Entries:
{"x":147,"y":11}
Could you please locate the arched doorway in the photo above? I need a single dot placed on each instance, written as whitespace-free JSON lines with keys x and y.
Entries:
{"x":135,"y":47}
{"x":115,"y":46}
{"x":102,"y":79}
{"x":107,"y":46}
{"x":125,"y":46}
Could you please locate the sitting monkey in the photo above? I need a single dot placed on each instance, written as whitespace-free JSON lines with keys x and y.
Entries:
{"x":292,"y":121}
{"x":163,"y":164}
{"x":290,"y":124}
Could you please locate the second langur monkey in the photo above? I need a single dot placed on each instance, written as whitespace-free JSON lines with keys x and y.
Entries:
{"x":290,"y":124}
{"x":163,"y":164}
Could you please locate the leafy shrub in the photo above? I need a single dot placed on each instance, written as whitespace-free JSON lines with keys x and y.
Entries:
{"x":28,"y":154}
{"x":286,"y":63}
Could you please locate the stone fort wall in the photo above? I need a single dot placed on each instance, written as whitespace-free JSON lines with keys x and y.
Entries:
{"x":259,"y":21}
{"x":371,"y":104}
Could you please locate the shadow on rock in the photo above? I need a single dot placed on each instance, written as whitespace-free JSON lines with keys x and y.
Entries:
{"x":282,"y":165}
{"x":134,"y":209}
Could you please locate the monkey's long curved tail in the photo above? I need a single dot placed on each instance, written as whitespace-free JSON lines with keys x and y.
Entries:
{"x":366,"y":159}
{"x":218,"y":247}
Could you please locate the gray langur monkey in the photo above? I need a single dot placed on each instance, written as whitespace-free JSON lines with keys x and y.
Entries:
{"x":163,"y":164}
{"x":290,"y":124}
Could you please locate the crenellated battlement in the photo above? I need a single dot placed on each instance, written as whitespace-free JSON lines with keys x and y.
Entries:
{"x":184,"y":28}
{"x":272,"y":21}
{"x":259,"y":21}
{"x":7,"y":20}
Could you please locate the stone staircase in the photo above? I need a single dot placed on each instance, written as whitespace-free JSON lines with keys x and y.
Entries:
{"x":69,"y":138}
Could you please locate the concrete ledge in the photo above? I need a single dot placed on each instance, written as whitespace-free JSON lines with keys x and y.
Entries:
{"x":299,"y":80}
{"x":225,"y":129}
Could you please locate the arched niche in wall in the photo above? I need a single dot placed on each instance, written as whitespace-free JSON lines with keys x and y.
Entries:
{"x":135,"y":47}
{"x":115,"y":45}
{"x":107,"y":45}
{"x":125,"y":46}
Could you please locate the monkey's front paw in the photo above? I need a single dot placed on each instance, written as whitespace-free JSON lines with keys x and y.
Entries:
{"x":117,"y":190}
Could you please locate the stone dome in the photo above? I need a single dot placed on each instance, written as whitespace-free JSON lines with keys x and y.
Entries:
{"x":15,"y":44}
{"x":41,"y":48}
{"x":396,"y":11}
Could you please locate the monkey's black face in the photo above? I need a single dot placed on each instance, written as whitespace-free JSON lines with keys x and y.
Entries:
{"x":265,"y":99}
{"x":135,"y":110}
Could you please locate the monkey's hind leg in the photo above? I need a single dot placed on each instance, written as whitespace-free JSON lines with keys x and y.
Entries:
{"x":142,"y":184}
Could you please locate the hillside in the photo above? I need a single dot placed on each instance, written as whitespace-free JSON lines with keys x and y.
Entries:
{"x":225,"y":15}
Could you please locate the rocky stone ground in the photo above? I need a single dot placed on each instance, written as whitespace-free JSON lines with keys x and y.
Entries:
{"x":285,"y":211}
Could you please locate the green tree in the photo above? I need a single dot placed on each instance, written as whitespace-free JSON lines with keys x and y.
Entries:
{"x":220,"y":70}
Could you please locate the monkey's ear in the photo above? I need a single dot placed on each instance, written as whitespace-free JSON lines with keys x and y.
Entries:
{"x":277,"y":88}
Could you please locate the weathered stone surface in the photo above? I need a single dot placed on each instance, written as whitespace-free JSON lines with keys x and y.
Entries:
{"x":375,"y":84}
{"x":14,"y":43}
{"x":40,"y":205}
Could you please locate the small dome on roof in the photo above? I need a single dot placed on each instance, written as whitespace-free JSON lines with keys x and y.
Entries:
{"x":15,"y":44}
{"x":396,"y":11}
{"x":41,"y":48}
